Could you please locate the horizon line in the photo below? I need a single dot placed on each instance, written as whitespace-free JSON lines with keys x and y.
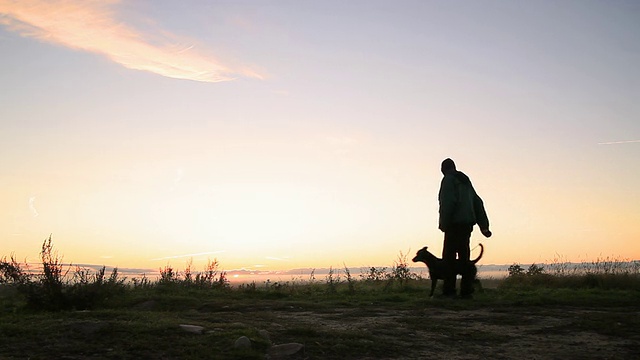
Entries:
{"x":322,"y":270}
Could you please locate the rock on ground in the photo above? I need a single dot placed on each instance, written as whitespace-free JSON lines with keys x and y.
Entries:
{"x":243,"y":342}
{"x":285,"y":349}
{"x":192,"y":328}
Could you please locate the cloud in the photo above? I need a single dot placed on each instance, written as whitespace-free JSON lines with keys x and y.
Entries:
{"x":92,"y":26}
{"x":619,"y":142}
{"x":109,"y":269}
{"x":32,"y":207}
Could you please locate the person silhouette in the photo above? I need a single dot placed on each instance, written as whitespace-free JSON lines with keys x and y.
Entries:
{"x":460,"y":209}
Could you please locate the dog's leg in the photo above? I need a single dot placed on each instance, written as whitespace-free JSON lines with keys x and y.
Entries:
{"x":468,"y":279}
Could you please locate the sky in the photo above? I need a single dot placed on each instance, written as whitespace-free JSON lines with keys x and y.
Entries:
{"x":275,"y":135}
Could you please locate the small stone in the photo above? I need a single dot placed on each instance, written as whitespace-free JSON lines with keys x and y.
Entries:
{"x":195,"y":329}
{"x":243,"y":342}
{"x":285,"y":349}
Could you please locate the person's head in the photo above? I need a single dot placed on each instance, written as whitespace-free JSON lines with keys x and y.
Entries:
{"x":447,"y":166}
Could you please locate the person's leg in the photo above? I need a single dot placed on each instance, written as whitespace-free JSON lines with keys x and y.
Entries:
{"x":449,"y":257}
{"x":462,"y":244}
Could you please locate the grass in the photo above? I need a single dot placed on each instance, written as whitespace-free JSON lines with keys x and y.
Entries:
{"x":77,"y":313}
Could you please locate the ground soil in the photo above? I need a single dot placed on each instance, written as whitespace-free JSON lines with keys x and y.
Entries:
{"x":391,"y":328}
{"x":480,"y":333}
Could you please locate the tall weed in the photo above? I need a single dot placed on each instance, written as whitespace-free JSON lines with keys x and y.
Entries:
{"x":47,"y":291}
{"x":350,"y":280}
{"x":332,"y":280}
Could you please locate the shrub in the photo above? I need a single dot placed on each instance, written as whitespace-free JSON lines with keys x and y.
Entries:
{"x":600,"y":274}
{"x":535,"y":270}
{"x":400,"y":271}
{"x":142,"y":282}
{"x":51,"y":289}
{"x":168,"y":276}
{"x":211,"y":276}
{"x":89,"y":290}
{"x":515,"y":270}
{"x":188,"y":276}
{"x":374,"y":274}
{"x":12,"y":273}
{"x":47,"y":291}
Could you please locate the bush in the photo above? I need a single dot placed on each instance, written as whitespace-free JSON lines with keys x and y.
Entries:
{"x":50,"y":289}
{"x":47,"y":291}
{"x":400,"y":271}
{"x":374,"y":274}
{"x":89,"y":290}
{"x":11,"y":272}
{"x":601,"y":274}
{"x":534,"y":270}
{"x":515,"y":270}
{"x":211,"y":277}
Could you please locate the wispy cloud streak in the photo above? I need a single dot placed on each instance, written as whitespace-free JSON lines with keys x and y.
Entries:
{"x":92,"y":26}
{"x":32,"y":206}
{"x":619,"y":142}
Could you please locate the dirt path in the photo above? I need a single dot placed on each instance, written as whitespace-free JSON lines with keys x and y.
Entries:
{"x":437,"y":333}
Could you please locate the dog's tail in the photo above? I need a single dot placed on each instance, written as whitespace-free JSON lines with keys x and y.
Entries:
{"x":479,"y":256}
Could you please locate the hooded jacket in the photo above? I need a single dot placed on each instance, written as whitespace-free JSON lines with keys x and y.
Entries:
{"x":459,"y":203}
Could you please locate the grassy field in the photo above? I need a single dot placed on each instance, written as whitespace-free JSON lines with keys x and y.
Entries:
{"x":532,"y":314}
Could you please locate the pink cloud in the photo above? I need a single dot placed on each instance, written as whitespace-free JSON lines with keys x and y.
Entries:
{"x":92,"y":26}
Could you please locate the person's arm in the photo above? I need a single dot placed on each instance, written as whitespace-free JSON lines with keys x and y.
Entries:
{"x":481,"y":216}
{"x":447,"y":199}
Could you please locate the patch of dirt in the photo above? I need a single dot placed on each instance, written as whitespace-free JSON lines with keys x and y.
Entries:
{"x":439,"y":333}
